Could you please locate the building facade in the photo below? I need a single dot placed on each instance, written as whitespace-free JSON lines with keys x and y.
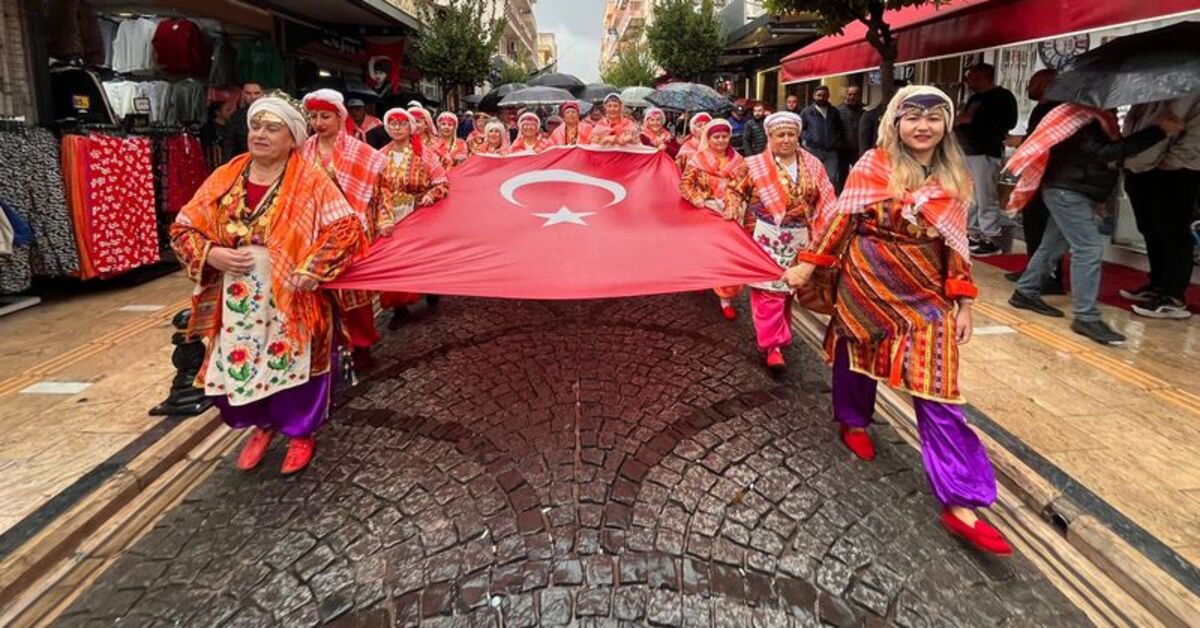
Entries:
{"x":547,"y":52}
{"x":625,"y":23}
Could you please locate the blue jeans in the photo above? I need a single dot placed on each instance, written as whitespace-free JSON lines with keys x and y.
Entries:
{"x":1072,"y":226}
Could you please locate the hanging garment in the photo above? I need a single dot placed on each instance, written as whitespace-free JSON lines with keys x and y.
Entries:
{"x":16,"y":92}
{"x":78,"y":95}
{"x":187,"y":103}
{"x":31,"y":182}
{"x":180,"y":47}
{"x":186,"y":170}
{"x":133,"y":48}
{"x":258,"y":60}
{"x":120,"y":225}
{"x":6,"y":235}
{"x":75,"y":33}
{"x":222,"y":72}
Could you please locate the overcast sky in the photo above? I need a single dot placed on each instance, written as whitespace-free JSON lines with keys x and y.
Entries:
{"x":578,"y":26}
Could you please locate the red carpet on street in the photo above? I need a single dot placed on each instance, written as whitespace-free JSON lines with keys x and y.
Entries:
{"x":1113,"y":279}
{"x":569,"y":223}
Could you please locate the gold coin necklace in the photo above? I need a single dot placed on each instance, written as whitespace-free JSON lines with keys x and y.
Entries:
{"x":239,"y":223}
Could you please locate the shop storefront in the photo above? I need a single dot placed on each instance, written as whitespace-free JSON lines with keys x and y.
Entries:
{"x":111,"y":113}
{"x":1018,"y":37}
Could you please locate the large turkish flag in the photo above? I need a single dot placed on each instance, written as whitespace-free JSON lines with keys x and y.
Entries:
{"x":570,"y":223}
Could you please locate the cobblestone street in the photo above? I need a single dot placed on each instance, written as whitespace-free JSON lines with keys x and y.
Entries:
{"x":592,"y":463}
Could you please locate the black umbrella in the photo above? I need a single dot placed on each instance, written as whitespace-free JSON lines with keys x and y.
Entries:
{"x":491,"y":102}
{"x":596,"y":92}
{"x":1155,"y":65}
{"x":569,"y":82}
{"x":536,"y":96}
{"x":473,"y":99}
{"x":690,"y":97}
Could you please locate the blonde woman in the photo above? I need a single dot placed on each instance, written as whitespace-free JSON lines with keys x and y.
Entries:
{"x":898,"y":236}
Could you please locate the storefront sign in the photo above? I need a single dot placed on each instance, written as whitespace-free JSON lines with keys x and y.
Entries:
{"x":900,"y":72}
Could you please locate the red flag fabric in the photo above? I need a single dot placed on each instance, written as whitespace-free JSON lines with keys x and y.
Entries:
{"x":568,"y":223}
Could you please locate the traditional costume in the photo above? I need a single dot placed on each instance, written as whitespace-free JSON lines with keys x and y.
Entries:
{"x":691,"y":143}
{"x":663,"y":139}
{"x":903,"y":262}
{"x":525,"y":145}
{"x":485,"y":148}
{"x":565,"y":135}
{"x":270,"y":349}
{"x":622,"y":131}
{"x":705,"y":184}
{"x":453,"y":152}
{"x":355,"y":168}
{"x":413,"y":177}
{"x":781,"y":205}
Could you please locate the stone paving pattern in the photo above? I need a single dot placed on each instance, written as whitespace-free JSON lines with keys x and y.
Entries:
{"x":594,"y":463}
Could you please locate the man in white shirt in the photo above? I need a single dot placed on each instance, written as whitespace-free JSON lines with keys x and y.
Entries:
{"x":1163,"y":184}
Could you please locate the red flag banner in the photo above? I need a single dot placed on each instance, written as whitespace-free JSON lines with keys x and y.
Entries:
{"x":569,"y":223}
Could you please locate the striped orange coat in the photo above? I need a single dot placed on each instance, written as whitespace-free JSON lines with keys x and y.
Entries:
{"x":896,"y":292}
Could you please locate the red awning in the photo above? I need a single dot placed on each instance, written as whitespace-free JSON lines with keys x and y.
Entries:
{"x":927,"y":32}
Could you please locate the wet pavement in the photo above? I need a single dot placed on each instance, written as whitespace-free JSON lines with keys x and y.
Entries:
{"x":593,"y":463}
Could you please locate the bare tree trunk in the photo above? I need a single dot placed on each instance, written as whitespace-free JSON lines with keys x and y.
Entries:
{"x":879,"y":35}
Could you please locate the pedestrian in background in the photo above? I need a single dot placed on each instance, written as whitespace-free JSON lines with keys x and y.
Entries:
{"x":737,"y":122}
{"x":986,"y":119}
{"x":868,"y":126}
{"x":754,"y":137}
{"x":823,"y":133}
{"x":791,"y":104}
{"x":1070,"y":159}
{"x":1163,"y":183}
{"x":238,"y":127}
{"x":851,"y":111}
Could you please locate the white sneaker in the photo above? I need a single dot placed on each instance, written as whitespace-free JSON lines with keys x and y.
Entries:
{"x":1163,"y":307}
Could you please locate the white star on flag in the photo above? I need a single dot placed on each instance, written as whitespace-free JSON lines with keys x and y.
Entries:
{"x":565,"y":216}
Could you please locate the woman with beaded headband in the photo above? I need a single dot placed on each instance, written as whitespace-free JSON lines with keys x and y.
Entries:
{"x":778,"y":200}
{"x":354,"y":167}
{"x":529,"y":135}
{"x":898,"y":236}
{"x":413,"y":177}
{"x":423,"y":126}
{"x":691,"y":143}
{"x":705,"y":182}
{"x":655,"y":134}
{"x":574,"y":131}
{"x":615,"y":128}
{"x":259,"y":237}
{"x":449,"y":148}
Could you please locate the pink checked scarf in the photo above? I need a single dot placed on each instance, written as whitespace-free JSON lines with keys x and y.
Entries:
{"x":869,"y":184}
{"x":770,"y":189}
{"x":356,"y":165}
{"x":1031,"y":159}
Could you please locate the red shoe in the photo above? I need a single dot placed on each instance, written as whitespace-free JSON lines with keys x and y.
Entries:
{"x":299,"y":454}
{"x":775,"y":360}
{"x":729,"y":313}
{"x":255,"y":449}
{"x":859,"y":442}
{"x":983,"y":536}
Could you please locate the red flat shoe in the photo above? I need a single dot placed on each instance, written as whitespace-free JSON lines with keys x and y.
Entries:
{"x":983,"y":536}
{"x":729,"y":313}
{"x":859,"y":442}
{"x":299,"y":454}
{"x":255,"y":449}
{"x":775,"y":360}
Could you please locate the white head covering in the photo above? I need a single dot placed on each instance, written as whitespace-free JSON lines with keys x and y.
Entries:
{"x":614,"y":96}
{"x":282,"y":110}
{"x":717,"y":125}
{"x":652,"y":112}
{"x":696,"y":118}
{"x":415,"y":103}
{"x":398,"y":112}
{"x":781,"y":118}
{"x":450,"y":115}
{"x":529,"y":116}
{"x":329,"y":96}
{"x":430,"y":127}
{"x":496,"y":124}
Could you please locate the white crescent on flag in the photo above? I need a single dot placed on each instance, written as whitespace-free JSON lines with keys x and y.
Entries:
{"x":509,"y":188}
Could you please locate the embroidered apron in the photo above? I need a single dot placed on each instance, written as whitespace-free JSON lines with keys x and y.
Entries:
{"x":253,"y":357}
{"x":783,"y":244}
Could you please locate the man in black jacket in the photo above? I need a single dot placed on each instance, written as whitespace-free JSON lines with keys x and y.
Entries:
{"x":1078,"y":177}
{"x":238,"y":127}
{"x":821,"y":133}
{"x":982,"y":126}
{"x":754,"y":136}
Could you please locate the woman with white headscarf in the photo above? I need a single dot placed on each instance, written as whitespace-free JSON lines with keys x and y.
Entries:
{"x":785,"y":190}
{"x":529,"y":138}
{"x":261,"y":234}
{"x":413,"y":177}
{"x":615,"y":128}
{"x":655,"y":133}
{"x":691,"y":143}
{"x":898,"y":239}
{"x":450,"y":148}
{"x":494,"y":140}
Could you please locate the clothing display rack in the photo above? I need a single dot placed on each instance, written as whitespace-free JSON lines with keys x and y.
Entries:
{"x":11,"y":303}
